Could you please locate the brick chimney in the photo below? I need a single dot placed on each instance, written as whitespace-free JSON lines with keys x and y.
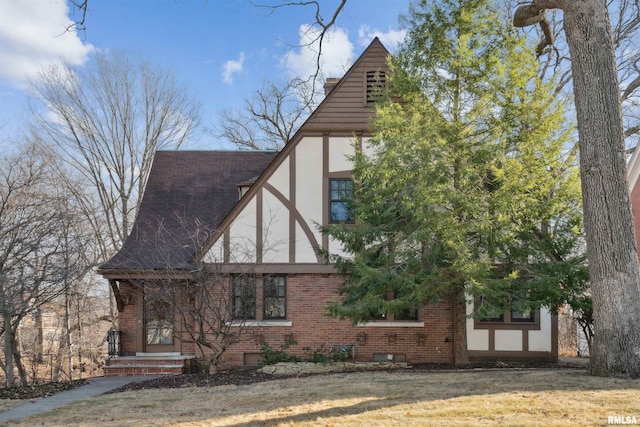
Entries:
{"x":330,"y":83}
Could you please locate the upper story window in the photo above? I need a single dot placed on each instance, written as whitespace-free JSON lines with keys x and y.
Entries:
{"x":376,"y":83}
{"x":274,"y":297}
{"x":340,"y":198}
{"x":244,"y":297}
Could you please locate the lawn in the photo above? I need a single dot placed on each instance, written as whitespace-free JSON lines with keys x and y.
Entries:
{"x":524,"y":397}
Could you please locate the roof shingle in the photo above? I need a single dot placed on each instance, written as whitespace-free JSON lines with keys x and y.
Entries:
{"x":187,"y":196}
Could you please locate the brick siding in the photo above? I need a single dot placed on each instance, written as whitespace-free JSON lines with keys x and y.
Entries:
{"x":307,"y":297}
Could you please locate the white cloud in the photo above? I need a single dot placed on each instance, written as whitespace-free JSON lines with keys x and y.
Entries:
{"x":391,"y":39}
{"x":33,"y":36}
{"x":336,"y":58}
{"x":232,"y":67}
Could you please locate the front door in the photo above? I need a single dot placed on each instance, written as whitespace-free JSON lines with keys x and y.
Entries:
{"x":159,"y":326}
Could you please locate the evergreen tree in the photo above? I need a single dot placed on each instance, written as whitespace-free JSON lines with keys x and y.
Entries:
{"x":469,"y":188}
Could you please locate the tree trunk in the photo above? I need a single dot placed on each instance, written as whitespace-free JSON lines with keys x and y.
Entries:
{"x":460,"y":353}
{"x":8,"y":351}
{"x":611,"y":247}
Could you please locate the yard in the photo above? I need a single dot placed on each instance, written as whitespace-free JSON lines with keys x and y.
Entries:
{"x":525,"y":397}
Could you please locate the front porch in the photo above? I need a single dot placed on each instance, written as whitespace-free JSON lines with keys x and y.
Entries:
{"x":169,"y":363}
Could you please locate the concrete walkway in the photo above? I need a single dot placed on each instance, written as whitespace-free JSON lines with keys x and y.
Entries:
{"x":94,"y":387}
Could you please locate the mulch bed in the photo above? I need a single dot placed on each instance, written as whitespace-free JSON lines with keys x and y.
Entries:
{"x":244,"y":376}
{"x":34,"y":391}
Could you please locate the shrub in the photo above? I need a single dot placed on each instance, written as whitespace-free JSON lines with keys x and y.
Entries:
{"x":271,"y":356}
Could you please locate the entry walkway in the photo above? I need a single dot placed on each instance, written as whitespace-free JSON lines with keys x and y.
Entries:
{"x":94,"y":387}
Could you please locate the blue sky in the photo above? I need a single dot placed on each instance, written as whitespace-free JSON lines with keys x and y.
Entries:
{"x":222,"y":50}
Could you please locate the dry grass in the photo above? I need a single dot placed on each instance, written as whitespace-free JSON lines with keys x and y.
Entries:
{"x":399,"y":398}
{"x":9,"y":403}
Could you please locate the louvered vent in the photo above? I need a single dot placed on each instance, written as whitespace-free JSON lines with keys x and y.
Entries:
{"x":376,"y":83}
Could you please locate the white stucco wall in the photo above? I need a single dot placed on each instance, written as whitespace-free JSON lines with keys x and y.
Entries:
{"x":339,"y":149}
{"x":242,"y":240}
{"x":280,"y":178}
{"x":508,"y":340}
{"x":367,"y":150}
{"x":309,"y":198}
{"x":304,"y":249}
{"x":541,"y":340}
{"x":216,"y":253}
{"x":275,"y":229}
{"x":477,"y":339}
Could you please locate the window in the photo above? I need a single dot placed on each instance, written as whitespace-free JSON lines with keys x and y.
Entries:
{"x":274,"y":297}
{"x":409,"y":314}
{"x":526,"y":316}
{"x":159,"y":331}
{"x":376,"y":82}
{"x":159,"y":324}
{"x":494,"y":316}
{"x":340,"y":198}
{"x":244,"y":297}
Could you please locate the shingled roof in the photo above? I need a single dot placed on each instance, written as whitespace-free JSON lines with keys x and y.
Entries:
{"x":187,"y":196}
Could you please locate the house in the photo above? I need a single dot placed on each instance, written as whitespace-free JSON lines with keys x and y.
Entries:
{"x":251,"y":220}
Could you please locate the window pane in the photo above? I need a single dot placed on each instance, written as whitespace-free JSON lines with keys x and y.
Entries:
{"x":411,"y":314}
{"x":340,"y":212}
{"x":159,"y":331}
{"x":274,"y":308}
{"x":340,"y":194}
{"x":522,"y":316}
{"x":244,"y":297}
{"x":274,"y":301}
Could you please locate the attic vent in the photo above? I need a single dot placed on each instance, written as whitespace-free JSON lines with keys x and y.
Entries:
{"x":376,"y":81}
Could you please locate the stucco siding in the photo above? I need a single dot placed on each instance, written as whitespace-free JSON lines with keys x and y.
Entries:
{"x":477,"y":339}
{"x":304,"y":250}
{"x":508,"y":340}
{"x":309,"y":184}
{"x":340,"y":149}
{"x":280,"y":178}
{"x":242,"y":242}
{"x":541,"y":340}
{"x":275,"y":230}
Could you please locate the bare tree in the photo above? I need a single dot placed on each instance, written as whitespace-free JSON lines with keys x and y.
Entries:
{"x":269,"y":119}
{"x":320,"y":26}
{"x":200,"y":304}
{"x":33,"y":249}
{"x":106,"y":122}
{"x":611,"y":248}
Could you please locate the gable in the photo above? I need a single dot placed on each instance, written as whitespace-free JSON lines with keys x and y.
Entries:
{"x":277,"y":221}
{"x":345,"y":107}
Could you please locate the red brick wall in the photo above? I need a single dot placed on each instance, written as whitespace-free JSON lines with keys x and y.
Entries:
{"x":128,"y":320}
{"x":307,"y":297}
{"x":635,"y":205}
